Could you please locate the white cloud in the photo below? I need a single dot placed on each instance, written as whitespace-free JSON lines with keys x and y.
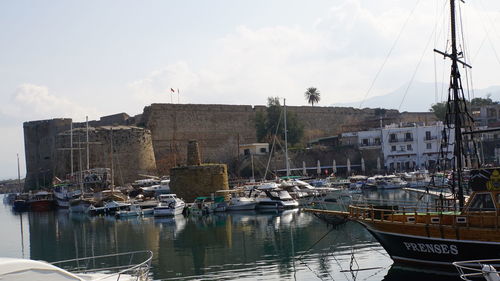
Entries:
{"x":31,"y":102}
{"x":340,"y":55}
{"x":156,"y":86}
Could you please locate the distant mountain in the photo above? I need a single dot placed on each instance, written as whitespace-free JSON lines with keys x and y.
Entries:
{"x":419,"y":98}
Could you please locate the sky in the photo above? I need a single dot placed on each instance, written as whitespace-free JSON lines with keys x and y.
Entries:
{"x":93,"y":58}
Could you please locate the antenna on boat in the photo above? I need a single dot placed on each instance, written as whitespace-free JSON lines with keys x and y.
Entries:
{"x":287,"y":164}
{"x":456,"y":105}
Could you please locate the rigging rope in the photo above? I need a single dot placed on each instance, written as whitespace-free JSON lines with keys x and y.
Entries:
{"x":389,"y":54}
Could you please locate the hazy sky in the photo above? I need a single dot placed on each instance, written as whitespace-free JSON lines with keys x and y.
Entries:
{"x":78,"y":58}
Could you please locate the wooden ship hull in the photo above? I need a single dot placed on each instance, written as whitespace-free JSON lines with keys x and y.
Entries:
{"x":437,"y":245}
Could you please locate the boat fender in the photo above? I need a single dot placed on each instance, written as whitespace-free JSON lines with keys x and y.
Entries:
{"x":490,"y":273}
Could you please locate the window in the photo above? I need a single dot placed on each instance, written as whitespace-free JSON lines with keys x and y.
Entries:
{"x":263,"y":150}
{"x":428,"y":145}
{"x":408,"y":137}
{"x":482,"y":202}
{"x":408,"y":147}
{"x":428,"y":135}
{"x":393,"y":148}
{"x":365,"y":141}
{"x":401,"y":148}
{"x":392,"y":137}
{"x":377,"y":141}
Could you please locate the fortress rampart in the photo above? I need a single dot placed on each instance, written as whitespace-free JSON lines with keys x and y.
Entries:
{"x":157,"y":138}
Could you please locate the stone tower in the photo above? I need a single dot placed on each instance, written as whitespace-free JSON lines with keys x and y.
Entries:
{"x":197,"y":179}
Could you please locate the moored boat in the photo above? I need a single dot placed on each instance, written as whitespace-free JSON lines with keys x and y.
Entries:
{"x":132,"y":210}
{"x":63,"y":194}
{"x":238,"y":200}
{"x":271,"y":197}
{"x":41,"y":201}
{"x":169,"y":205}
{"x":124,"y":267}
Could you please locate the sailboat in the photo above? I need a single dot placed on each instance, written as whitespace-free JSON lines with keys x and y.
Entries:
{"x":439,"y":236}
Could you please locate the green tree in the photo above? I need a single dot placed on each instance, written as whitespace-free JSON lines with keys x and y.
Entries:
{"x":270,"y":122}
{"x":439,"y":110}
{"x":312,"y":95}
{"x":483,"y":101}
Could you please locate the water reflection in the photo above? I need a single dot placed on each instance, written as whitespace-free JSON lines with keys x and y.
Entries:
{"x":241,"y":245}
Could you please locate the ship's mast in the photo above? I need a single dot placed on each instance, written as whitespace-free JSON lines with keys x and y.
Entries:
{"x":454,"y":87}
{"x":455,"y":106}
{"x":287,"y":163}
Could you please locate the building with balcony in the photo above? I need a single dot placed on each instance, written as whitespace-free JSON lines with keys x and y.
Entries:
{"x":406,"y":147}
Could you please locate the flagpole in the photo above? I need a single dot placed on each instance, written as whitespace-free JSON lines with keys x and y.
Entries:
{"x":178,"y":94}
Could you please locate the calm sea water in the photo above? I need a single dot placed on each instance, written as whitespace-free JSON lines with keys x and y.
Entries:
{"x":288,"y":245}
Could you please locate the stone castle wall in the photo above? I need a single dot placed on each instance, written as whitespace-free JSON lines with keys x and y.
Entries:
{"x":132,"y":152}
{"x":220,"y":128}
{"x":41,"y":151}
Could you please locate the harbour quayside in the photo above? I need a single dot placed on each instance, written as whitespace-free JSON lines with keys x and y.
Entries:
{"x":446,"y":233}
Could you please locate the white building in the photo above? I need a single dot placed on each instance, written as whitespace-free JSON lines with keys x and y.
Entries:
{"x":254,"y":149}
{"x":406,"y":148}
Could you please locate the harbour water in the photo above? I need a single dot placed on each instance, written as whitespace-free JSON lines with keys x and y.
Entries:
{"x":288,"y":245}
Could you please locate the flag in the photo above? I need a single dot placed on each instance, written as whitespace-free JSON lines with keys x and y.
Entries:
{"x":172,"y":90}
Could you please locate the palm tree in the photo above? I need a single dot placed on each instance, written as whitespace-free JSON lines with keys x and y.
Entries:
{"x":312,"y":95}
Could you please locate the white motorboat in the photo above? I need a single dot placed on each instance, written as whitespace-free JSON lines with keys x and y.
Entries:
{"x":417,"y":178}
{"x":157,"y":189}
{"x":105,"y":268}
{"x":238,"y":200}
{"x":270,"y":197}
{"x":113,"y":206}
{"x":169,"y":205}
{"x":133,"y":210}
{"x":204,"y":205}
{"x":299,"y":190}
{"x":385,"y":182}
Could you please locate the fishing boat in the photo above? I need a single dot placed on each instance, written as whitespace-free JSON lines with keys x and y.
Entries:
{"x":463,"y":230}
{"x":41,"y":201}
{"x":63,"y":194}
{"x":21,"y":203}
{"x":124,"y":267}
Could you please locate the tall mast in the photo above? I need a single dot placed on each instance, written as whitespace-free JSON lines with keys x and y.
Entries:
{"x":18,"y":174}
{"x":87,"y":131}
{"x":71,"y":147}
{"x":455,"y":77}
{"x":455,"y":106}
{"x":112,"y":164}
{"x":287,"y":164}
